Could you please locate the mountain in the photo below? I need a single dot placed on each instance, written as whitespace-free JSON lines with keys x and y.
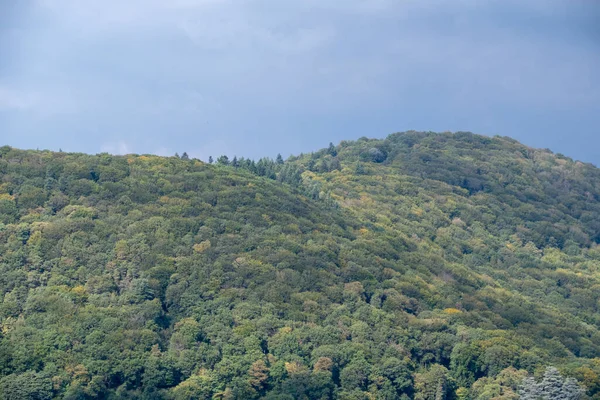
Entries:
{"x":423,"y":265}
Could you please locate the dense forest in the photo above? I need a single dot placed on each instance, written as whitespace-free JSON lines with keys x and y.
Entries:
{"x":421,"y":266}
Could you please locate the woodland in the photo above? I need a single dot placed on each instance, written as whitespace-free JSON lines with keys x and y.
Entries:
{"x":426,"y":266}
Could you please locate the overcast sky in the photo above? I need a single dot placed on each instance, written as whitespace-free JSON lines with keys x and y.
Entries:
{"x":257,"y":77}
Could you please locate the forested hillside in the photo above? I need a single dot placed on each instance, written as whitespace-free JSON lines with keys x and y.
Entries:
{"x":422,"y":266}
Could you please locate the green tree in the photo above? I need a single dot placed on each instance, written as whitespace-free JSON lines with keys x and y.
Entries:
{"x":433,"y":384}
{"x":331,"y":150}
{"x":355,"y":374}
{"x":29,"y":385}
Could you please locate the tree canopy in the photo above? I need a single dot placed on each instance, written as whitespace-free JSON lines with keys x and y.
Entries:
{"x":424,"y":265}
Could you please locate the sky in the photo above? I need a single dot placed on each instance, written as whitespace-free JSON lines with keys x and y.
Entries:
{"x":255,"y":78}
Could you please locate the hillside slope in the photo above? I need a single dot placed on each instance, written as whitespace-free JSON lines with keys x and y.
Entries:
{"x":420,"y":266}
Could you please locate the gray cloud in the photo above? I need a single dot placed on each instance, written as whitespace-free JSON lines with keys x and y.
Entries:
{"x":207,"y":75}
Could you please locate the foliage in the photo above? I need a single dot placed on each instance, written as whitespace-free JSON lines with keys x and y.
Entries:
{"x":552,"y":386}
{"x":431,"y":266}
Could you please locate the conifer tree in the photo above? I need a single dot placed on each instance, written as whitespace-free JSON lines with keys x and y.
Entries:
{"x":331,"y":150}
{"x":552,"y":386}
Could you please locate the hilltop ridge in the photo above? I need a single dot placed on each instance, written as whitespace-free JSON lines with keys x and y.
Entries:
{"x":422,"y":265}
